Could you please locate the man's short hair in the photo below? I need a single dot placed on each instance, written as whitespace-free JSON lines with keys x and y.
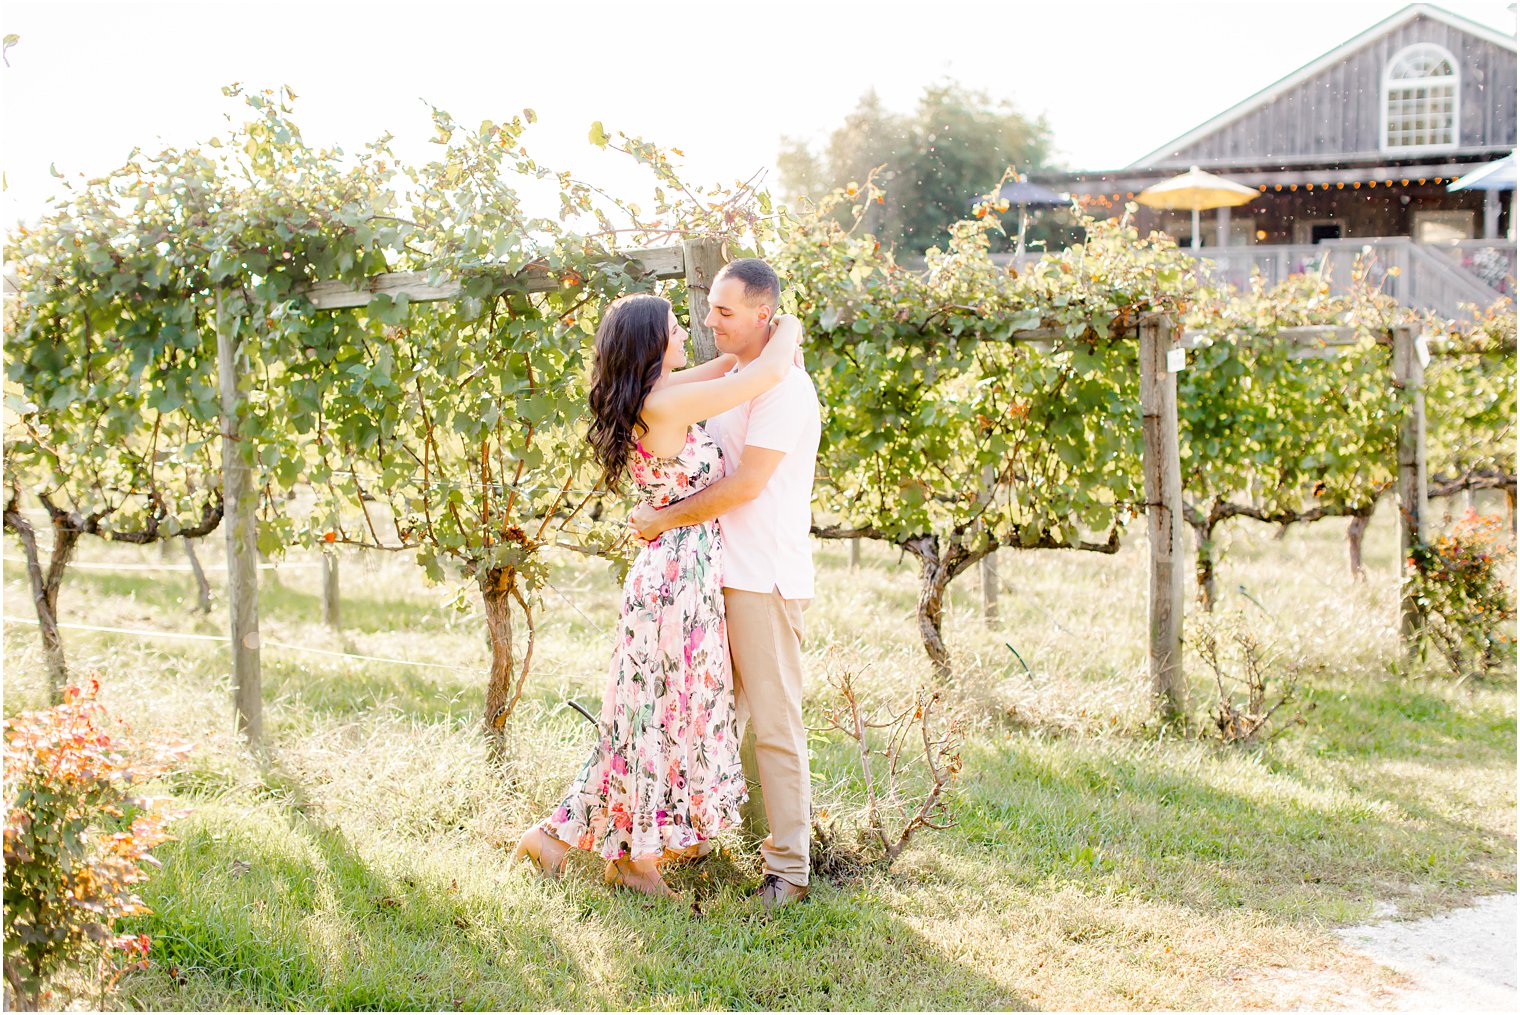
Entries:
{"x":761,"y":285}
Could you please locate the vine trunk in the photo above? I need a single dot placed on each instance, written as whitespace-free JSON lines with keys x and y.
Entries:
{"x":498,"y":589}
{"x":937,"y":568}
{"x":1203,"y":568}
{"x":45,"y":585}
{"x":1354,"y":534}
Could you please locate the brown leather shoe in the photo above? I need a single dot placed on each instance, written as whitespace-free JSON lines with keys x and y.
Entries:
{"x":776,"y":892}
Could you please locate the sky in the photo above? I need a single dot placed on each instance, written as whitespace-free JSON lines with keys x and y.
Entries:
{"x":722,"y":82}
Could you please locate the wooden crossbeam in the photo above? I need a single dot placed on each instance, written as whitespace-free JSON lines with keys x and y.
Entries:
{"x":1308,"y":337}
{"x":1059,"y":334}
{"x":660,"y":262}
{"x":1316,"y":333}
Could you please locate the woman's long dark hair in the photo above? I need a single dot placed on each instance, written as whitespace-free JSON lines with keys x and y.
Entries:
{"x":630,"y":349}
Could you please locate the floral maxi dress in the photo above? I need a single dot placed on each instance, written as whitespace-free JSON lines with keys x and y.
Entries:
{"x":665,"y":772}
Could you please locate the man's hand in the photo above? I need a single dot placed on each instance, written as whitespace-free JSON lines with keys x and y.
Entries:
{"x":645,"y":520}
{"x":756,"y":465}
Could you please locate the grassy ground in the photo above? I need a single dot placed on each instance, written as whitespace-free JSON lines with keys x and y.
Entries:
{"x":1098,"y":862}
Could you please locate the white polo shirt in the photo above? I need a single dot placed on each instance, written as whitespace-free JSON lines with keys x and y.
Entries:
{"x":765,"y":542}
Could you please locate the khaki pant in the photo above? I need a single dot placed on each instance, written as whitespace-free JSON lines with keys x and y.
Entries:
{"x":765,"y":641}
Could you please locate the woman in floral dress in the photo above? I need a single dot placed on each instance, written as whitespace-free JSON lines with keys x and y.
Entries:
{"x":664,"y":774}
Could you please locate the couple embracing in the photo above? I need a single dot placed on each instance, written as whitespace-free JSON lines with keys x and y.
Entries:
{"x":710,"y":633}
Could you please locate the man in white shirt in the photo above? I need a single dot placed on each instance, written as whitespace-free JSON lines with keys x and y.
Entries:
{"x":763,"y":505}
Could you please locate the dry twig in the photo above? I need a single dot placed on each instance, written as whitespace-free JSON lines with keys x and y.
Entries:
{"x":913,"y":735}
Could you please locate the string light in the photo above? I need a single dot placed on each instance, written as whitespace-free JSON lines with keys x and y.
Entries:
{"x":1293,"y":187}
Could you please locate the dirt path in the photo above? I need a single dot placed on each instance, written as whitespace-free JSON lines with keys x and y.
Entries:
{"x":1463,"y":960}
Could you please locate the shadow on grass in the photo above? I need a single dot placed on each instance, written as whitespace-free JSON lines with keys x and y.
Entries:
{"x":1399,"y":718}
{"x":174,"y":593}
{"x":366,"y":614}
{"x":1279,"y":830}
{"x":298,"y":695}
{"x":843,"y":949}
{"x":270,"y":908}
{"x":276,"y":910}
{"x":304,"y":689}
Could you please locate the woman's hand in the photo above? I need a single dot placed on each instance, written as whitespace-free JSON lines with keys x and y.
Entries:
{"x":786,"y":329}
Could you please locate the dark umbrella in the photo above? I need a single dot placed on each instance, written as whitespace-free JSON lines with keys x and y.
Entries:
{"x":1024,"y":194}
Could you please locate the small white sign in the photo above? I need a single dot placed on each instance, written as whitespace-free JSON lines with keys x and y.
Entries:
{"x":1176,"y":359}
{"x":1422,"y":349}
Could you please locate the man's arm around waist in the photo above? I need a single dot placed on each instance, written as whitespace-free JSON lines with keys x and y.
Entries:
{"x":756,"y":466}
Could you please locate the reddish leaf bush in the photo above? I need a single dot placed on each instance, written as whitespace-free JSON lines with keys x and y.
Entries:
{"x":1467,"y":612}
{"x":77,"y":836}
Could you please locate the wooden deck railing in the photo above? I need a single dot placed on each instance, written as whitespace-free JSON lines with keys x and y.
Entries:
{"x":1439,"y":277}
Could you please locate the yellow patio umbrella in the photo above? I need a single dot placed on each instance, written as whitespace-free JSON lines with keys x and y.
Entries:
{"x":1196,"y":190}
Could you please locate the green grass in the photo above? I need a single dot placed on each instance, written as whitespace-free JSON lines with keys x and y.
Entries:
{"x":1098,"y":862}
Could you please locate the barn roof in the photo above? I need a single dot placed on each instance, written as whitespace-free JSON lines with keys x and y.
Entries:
{"x":1309,"y":70}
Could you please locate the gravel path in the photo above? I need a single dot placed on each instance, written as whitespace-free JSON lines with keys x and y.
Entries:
{"x":1463,"y":960}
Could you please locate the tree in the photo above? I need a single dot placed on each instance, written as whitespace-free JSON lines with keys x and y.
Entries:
{"x":935,"y":161}
{"x":1285,"y":430}
{"x":949,"y":434}
{"x":462,"y":414}
{"x":1470,"y":405}
{"x":870,"y":137}
{"x":464,"y":417}
{"x":113,"y":351}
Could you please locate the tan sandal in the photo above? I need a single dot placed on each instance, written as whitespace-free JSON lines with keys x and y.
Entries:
{"x":696,"y":851}
{"x":539,"y":846}
{"x":620,"y":876}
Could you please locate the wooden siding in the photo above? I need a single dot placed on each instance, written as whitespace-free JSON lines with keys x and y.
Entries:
{"x":1338,"y":114}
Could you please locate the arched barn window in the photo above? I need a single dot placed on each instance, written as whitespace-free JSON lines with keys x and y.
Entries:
{"x":1420,"y":90}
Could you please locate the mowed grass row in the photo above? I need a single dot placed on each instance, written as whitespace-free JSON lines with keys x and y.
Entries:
{"x":1098,"y":862}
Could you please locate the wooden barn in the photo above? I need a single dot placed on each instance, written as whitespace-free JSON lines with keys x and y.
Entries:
{"x":1357,"y":148}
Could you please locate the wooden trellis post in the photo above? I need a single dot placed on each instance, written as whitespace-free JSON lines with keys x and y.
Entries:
{"x":1160,"y":358}
{"x":989,"y":576}
{"x":988,"y":566}
{"x":331,"y":612}
{"x":704,"y":258}
{"x":238,"y":523}
{"x":1412,"y":485}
